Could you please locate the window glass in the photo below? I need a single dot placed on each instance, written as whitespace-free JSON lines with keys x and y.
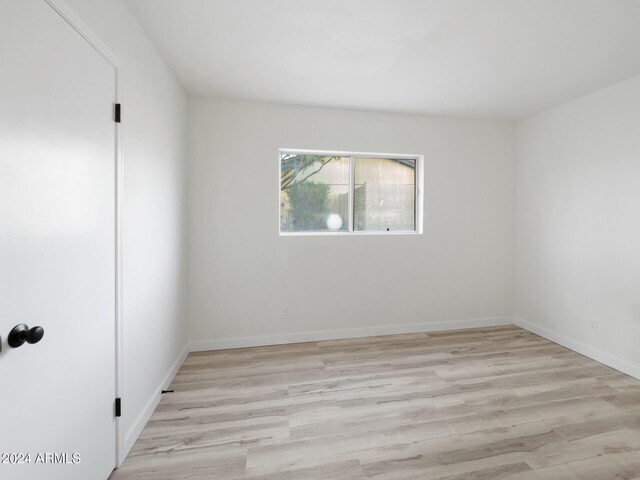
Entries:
{"x":348,"y":193}
{"x":314,"y":193}
{"x":384,"y":197}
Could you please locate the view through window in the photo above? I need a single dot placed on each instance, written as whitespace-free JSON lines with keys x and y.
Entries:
{"x":326,"y":193}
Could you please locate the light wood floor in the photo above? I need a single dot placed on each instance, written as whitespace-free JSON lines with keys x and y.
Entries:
{"x":491,"y":404}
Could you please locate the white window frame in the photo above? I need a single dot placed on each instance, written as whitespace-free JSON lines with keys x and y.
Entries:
{"x":419,"y":188}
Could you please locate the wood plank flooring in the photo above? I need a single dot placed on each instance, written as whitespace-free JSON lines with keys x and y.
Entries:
{"x":487,"y":404}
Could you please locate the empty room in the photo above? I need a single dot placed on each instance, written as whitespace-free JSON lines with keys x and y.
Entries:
{"x":320,"y":239}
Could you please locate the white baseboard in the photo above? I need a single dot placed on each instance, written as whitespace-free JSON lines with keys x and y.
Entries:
{"x":298,"y":337}
{"x":141,"y":421}
{"x":584,"y":349}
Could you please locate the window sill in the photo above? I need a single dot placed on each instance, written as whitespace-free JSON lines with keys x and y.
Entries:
{"x":347,"y":234}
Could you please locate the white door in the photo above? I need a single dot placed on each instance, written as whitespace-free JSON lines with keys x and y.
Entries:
{"x":57,"y":248}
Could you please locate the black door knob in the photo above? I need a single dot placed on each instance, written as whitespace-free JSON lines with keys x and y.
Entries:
{"x":22,"y":333}
{"x":34,"y":335}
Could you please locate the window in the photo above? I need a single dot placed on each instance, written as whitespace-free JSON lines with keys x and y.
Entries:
{"x":349,"y":193}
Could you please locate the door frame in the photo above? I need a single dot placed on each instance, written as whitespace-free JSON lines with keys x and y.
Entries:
{"x":67,"y":14}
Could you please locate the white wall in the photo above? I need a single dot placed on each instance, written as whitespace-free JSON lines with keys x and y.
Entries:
{"x":241,"y":273}
{"x":578,"y":224}
{"x":154,"y":126}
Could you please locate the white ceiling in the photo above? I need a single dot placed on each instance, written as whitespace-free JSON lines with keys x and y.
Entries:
{"x":502,"y":59}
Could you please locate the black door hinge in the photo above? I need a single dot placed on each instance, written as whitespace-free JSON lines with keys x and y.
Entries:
{"x":118,"y":112}
{"x":118,"y":407}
